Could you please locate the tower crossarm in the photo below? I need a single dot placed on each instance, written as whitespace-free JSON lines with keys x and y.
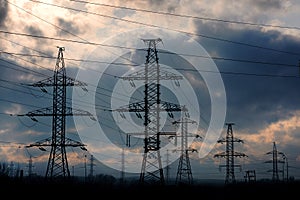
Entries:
{"x":271,"y":161}
{"x":49,"y":112}
{"x":132,"y":107}
{"x":172,"y":107}
{"x":140,"y":107}
{"x":163,"y":75}
{"x":225,"y":154}
{"x":224,"y":140}
{"x":50,"y":82}
{"x":48,"y":143}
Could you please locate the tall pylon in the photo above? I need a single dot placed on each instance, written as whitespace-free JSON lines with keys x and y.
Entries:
{"x":184,"y":170}
{"x":58,"y":162}
{"x":275,"y":161}
{"x":151,"y":172}
{"x":230,"y":154}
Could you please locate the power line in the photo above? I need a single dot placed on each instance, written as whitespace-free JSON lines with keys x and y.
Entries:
{"x":188,"y":16}
{"x":161,"y":52}
{"x":23,"y":69}
{"x":219,"y":58}
{"x":128,"y":48}
{"x":171,"y":29}
{"x":44,"y":20}
{"x":58,"y":26}
{"x":239,"y":73}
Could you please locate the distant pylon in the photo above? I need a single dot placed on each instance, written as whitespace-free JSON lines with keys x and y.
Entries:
{"x":30,"y":167}
{"x":229,"y":154}
{"x":250,"y":176}
{"x":275,"y":161}
{"x":122,"y":165}
{"x":152,"y":75}
{"x":58,"y":162}
{"x":184,"y":170}
{"x":92,"y":164}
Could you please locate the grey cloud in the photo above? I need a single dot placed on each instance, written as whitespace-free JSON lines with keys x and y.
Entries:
{"x":253,"y":101}
{"x":163,"y":5}
{"x":3,"y":12}
{"x":268,"y":4}
{"x":68,"y":26}
{"x":169,"y":5}
{"x":34,"y":30}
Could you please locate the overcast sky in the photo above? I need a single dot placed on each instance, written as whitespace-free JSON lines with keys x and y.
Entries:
{"x":246,"y":52}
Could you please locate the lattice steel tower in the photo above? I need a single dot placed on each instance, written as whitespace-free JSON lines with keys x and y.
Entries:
{"x":275,"y":161}
{"x":230,"y":154}
{"x":184,"y":170}
{"x":151,"y":172}
{"x":58,"y":162}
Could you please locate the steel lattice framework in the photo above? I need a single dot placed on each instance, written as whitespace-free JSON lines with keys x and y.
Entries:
{"x":230,"y":154}
{"x":275,"y":161}
{"x":151,"y":172}
{"x":184,"y":170}
{"x":58,"y":163}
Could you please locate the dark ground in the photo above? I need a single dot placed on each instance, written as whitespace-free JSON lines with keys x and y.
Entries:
{"x":39,"y":188}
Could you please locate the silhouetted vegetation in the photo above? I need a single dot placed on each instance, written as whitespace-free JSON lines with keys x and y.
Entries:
{"x":105,"y":184}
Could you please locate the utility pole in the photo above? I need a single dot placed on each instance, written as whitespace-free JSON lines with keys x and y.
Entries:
{"x":275,"y":161}
{"x":152,"y":75}
{"x":184,"y":171}
{"x":230,"y":154}
{"x":58,"y":162}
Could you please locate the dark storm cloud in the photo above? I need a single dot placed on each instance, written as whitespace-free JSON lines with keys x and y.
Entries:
{"x":3,"y":12}
{"x":253,"y":101}
{"x":68,"y":26}
{"x":169,"y":6}
{"x":268,"y":4}
{"x":17,"y":98}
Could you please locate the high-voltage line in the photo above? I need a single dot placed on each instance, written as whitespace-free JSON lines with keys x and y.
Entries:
{"x":151,"y":172}
{"x":57,"y":162}
{"x":184,"y":170}
{"x":230,"y":154}
{"x":275,"y":161}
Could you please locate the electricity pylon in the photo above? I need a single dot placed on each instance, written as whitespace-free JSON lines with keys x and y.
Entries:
{"x":58,"y":162}
{"x":151,"y":172}
{"x":184,"y":170}
{"x":250,"y":176}
{"x":230,"y":154}
{"x":275,"y":161}
{"x":30,"y":166}
{"x":92,"y":164}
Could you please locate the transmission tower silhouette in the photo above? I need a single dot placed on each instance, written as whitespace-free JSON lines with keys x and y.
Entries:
{"x":92,"y":164}
{"x":275,"y":161}
{"x":151,"y":172}
{"x":184,"y":171}
{"x":230,"y":154}
{"x":250,"y":176}
{"x":58,"y":162}
{"x":30,"y":167}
